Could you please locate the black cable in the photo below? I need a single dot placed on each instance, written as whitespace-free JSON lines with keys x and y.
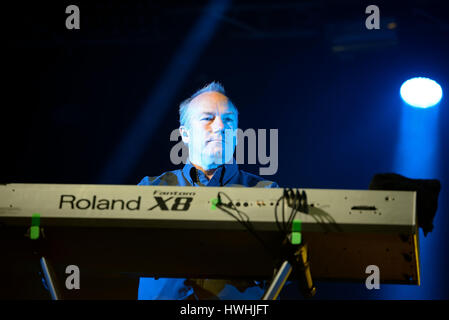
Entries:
{"x":287,"y":249}
{"x":283,"y":212}
{"x":242,"y":218}
{"x":296,"y":206}
{"x":247,"y":224}
{"x":288,"y":196}
{"x":298,"y":202}
{"x":276,"y":215}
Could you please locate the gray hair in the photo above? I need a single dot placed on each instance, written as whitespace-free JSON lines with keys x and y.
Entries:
{"x":211,"y":87}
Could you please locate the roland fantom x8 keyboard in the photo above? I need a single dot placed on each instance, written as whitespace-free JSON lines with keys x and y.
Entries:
{"x":195,"y":232}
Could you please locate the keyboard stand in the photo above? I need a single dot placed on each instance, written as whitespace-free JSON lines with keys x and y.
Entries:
{"x":303,"y":268}
{"x":38,"y":241}
{"x":50,"y":279}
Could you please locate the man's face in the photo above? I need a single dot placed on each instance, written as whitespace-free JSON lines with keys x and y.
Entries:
{"x":212,"y":122}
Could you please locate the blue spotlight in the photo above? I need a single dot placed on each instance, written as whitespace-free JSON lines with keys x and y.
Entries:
{"x":421,"y":92}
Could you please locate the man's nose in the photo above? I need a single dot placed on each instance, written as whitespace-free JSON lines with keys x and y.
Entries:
{"x":218,"y":125}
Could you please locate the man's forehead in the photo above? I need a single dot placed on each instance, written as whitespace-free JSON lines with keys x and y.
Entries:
{"x":211,"y":102}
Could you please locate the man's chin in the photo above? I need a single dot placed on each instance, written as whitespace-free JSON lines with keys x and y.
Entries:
{"x":218,"y":159}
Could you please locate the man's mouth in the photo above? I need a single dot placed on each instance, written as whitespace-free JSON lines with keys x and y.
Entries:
{"x":215,"y":140}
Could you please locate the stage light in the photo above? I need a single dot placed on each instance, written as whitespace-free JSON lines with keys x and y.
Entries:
{"x":418,"y":155}
{"x":421,"y":92}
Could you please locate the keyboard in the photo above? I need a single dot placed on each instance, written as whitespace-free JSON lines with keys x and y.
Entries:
{"x":202,"y":232}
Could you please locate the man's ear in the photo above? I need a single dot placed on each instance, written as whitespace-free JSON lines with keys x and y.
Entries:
{"x":184,"y":134}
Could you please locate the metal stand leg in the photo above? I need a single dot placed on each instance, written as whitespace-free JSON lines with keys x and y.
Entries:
{"x":50,"y":279}
{"x":306,"y":283}
{"x":278,"y":282}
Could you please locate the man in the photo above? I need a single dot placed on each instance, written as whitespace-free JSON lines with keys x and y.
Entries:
{"x":208,"y":122}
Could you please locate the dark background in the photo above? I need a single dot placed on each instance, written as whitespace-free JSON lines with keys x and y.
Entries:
{"x":97,"y":105}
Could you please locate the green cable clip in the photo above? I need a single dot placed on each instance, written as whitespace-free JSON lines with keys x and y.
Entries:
{"x":35,"y":225}
{"x":214,"y":202}
{"x":296,"y":232}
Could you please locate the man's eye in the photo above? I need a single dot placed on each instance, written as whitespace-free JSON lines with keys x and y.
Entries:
{"x":206,"y":118}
